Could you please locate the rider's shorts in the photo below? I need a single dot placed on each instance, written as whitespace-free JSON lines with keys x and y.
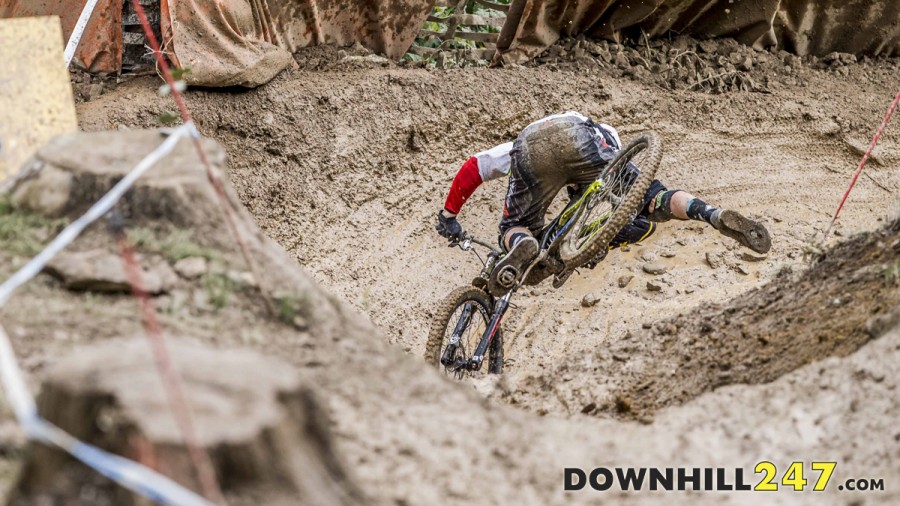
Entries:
{"x":547,"y":156}
{"x":551,"y":154}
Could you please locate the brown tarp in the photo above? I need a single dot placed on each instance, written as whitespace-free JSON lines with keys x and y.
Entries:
{"x":805,"y":26}
{"x":849,"y":26}
{"x":100,"y":49}
{"x":247,"y":42}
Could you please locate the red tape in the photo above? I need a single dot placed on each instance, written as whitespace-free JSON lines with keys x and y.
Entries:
{"x":862,"y":164}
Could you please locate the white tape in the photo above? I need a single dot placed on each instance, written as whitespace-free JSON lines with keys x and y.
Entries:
{"x":129,"y":474}
{"x":78,"y":31}
{"x":36,"y":264}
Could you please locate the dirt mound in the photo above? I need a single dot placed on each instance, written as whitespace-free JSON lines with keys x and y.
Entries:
{"x":832,"y":309}
{"x":711,"y":65}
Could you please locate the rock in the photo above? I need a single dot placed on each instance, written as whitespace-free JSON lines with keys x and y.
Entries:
{"x":621,"y":61}
{"x":589,"y":300}
{"x":625,"y":279}
{"x":750,"y":257}
{"x":654,"y":268}
{"x":191,"y":267}
{"x":93,"y":92}
{"x":248,"y":409}
{"x":746,"y":64}
{"x":50,"y":199}
{"x":708,"y":46}
{"x":102,"y":271}
{"x":742,"y":269}
{"x":667,"y":253}
{"x":648,"y":256}
{"x":713,"y":260}
{"x":653,"y":286}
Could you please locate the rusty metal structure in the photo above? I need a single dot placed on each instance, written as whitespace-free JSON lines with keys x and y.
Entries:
{"x":462,"y":25}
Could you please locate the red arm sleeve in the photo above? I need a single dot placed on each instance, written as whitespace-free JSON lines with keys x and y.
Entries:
{"x":465,"y":183}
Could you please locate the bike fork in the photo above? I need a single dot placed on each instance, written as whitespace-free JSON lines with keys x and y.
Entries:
{"x":450,"y":351}
{"x":489,"y":333}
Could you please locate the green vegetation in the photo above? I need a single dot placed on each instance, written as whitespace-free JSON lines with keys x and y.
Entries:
{"x":23,"y":233}
{"x":457,"y":43}
{"x":220,"y":289}
{"x":892,"y":273}
{"x":291,"y":306}
{"x":174,"y":245}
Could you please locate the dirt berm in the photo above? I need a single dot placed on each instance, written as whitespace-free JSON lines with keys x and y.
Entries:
{"x":346,"y":167}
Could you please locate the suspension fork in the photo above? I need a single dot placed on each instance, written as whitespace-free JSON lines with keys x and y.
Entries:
{"x":464,"y":319}
{"x":499,"y":310}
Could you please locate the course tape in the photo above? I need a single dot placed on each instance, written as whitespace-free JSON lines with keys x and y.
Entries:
{"x":862,"y":163}
{"x":78,"y":31}
{"x":100,"y":208}
{"x":127,"y":473}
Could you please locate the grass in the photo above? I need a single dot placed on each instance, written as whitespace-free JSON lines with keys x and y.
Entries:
{"x":23,"y":233}
{"x":174,"y":246}
{"x":291,"y":306}
{"x":220,"y":289}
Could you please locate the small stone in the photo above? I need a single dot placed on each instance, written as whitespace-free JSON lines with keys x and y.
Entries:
{"x":646,"y":325}
{"x":589,"y":300}
{"x":667,"y":253}
{"x":750,"y":257}
{"x":708,"y":46}
{"x":654,"y":287}
{"x":102,"y":271}
{"x":625,"y":279}
{"x":746,"y":65}
{"x":740,"y":268}
{"x":654,"y":268}
{"x":713,"y":260}
{"x":191,"y":267}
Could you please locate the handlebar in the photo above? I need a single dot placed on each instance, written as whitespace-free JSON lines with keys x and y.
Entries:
{"x":466,"y":241}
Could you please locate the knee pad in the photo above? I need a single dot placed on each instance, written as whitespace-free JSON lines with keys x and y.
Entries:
{"x":662,"y":211}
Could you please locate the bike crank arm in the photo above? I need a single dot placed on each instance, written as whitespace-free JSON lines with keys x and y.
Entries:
{"x":490,"y":332}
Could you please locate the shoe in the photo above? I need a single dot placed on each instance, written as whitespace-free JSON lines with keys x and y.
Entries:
{"x":508,"y":270}
{"x":750,"y":233}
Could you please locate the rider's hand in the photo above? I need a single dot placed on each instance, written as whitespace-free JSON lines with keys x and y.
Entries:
{"x":448,"y":227}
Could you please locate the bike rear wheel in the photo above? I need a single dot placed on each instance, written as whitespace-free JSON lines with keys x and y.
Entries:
{"x":613,"y":204}
{"x":477,"y":305}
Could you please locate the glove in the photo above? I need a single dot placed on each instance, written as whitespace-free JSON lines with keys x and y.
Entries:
{"x":448,"y":227}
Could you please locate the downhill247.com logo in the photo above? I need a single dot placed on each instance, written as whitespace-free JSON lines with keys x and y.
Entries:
{"x":766,"y":478}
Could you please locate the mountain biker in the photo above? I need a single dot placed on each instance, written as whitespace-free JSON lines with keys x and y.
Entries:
{"x":564,"y":150}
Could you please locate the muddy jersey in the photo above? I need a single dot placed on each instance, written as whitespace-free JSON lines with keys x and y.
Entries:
{"x":549,"y":154}
{"x":496,"y":162}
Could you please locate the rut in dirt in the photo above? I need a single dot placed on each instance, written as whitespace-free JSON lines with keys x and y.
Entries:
{"x":845,"y":299}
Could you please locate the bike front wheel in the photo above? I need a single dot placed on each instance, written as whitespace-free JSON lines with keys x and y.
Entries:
{"x":612,"y":203}
{"x":465,"y":313}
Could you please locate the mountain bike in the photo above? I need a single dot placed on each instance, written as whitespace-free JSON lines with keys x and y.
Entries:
{"x":466,"y":327}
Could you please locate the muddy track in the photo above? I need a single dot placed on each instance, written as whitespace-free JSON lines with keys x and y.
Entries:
{"x":346,"y":168}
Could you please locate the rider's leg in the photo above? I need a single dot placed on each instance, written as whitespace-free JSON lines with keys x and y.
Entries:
{"x":681,"y":205}
{"x":513,"y":236}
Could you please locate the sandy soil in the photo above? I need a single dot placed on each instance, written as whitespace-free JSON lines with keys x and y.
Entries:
{"x":345,"y":168}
